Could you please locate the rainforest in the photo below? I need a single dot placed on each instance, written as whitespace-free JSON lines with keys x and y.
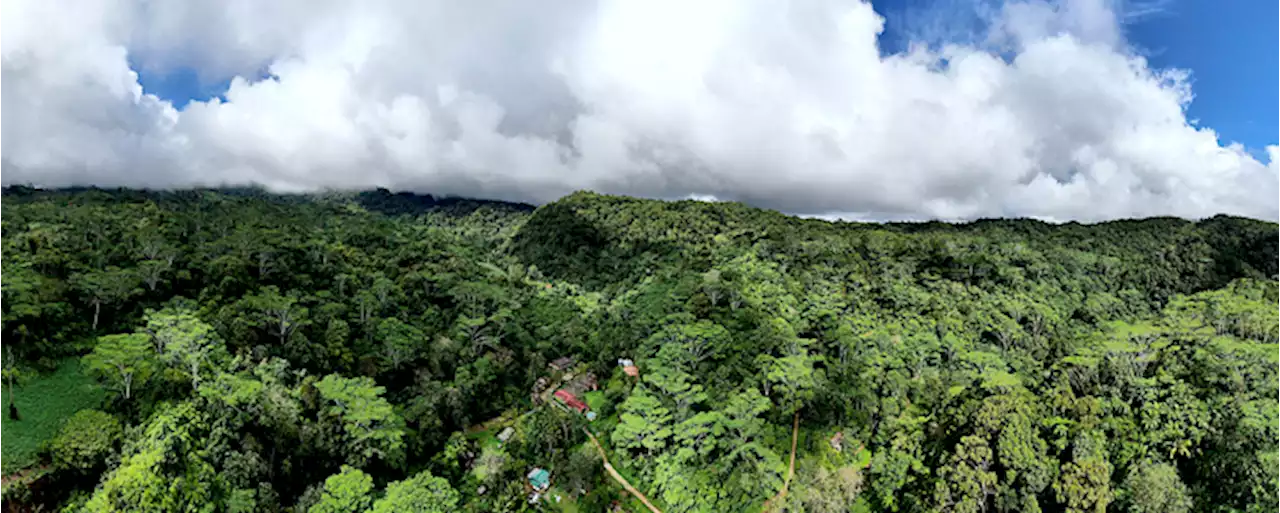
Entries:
{"x":239,"y":350}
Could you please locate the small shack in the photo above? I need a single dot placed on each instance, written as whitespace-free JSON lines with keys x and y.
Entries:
{"x":568,"y":399}
{"x":561,"y":364}
{"x":539,"y":479}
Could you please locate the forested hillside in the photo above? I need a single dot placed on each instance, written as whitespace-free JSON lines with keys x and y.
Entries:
{"x":379,"y":352}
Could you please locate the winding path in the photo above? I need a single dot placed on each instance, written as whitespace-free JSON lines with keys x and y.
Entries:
{"x":622,"y":481}
{"x":791,"y":467}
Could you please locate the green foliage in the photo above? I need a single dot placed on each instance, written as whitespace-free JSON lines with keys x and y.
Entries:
{"x":1150,"y":487}
{"x":45,"y":402}
{"x":280,"y":342}
{"x":125,"y":363}
{"x":183,"y":341}
{"x":349,"y":491}
{"x":85,"y":440}
{"x":422,"y":493}
{"x":370,"y":429}
{"x":165,"y":468}
{"x":644,"y":423}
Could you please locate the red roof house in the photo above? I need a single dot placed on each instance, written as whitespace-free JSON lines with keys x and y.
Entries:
{"x":571,"y":400}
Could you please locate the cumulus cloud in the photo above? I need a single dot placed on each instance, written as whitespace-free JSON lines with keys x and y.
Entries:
{"x":786,"y":105}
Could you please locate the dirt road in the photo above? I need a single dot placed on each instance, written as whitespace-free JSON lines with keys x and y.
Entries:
{"x":618,"y":477}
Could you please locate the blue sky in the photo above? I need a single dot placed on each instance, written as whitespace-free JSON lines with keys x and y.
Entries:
{"x":1230,"y":46}
{"x":1231,"y":49}
{"x":180,"y":86}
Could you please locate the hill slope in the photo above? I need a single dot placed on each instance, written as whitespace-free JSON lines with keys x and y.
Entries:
{"x":388,"y":340}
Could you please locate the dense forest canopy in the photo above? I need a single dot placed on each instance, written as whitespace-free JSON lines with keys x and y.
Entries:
{"x":384,"y":352}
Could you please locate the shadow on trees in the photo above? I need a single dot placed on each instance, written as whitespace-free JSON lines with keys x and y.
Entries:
{"x":566,"y":245}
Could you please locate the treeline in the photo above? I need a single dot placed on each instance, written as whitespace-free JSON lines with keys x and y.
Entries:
{"x":329,"y":353}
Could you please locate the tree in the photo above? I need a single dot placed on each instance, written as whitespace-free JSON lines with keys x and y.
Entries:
{"x":124,"y":362}
{"x":369,"y":426}
{"x":677,"y":387}
{"x":23,"y":302}
{"x":644,"y":423}
{"x":12,"y":375}
{"x":489,"y":465}
{"x":281,"y":315}
{"x":85,"y":441}
{"x":108,"y":287}
{"x":581,"y":469}
{"x":337,"y":340}
{"x":1085,"y":482}
{"x":968,"y":481}
{"x":422,"y":493}
{"x":155,"y":256}
{"x":183,"y":340}
{"x":400,"y":342}
{"x":791,"y":370}
{"x":820,"y":489}
{"x":1155,"y":487}
{"x":164,"y":468}
{"x":348,"y":491}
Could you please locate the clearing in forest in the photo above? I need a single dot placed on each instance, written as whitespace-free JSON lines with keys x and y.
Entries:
{"x":44,"y":402}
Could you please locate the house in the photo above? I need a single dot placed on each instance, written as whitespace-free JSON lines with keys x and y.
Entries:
{"x":628,"y":367}
{"x":505,"y":434}
{"x":571,"y":400}
{"x":539,"y":479}
{"x":561,"y":364}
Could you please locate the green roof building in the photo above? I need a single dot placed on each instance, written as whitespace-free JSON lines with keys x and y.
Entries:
{"x":539,"y":479}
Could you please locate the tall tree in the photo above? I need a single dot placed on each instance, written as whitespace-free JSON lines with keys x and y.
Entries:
{"x":183,"y":340}
{"x":124,"y":362}
{"x":12,"y":375}
{"x":108,"y":287}
{"x":422,"y":493}
{"x":369,"y":428}
{"x":349,"y":491}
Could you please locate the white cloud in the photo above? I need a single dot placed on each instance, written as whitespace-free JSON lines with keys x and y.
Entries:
{"x":783,"y":105}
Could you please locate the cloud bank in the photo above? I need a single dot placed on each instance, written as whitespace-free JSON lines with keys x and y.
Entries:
{"x":1045,"y":111}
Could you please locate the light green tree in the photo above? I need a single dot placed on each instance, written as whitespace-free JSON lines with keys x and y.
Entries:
{"x":968,"y":480}
{"x":183,"y":341}
{"x":643,"y":424}
{"x":370,"y":427}
{"x":677,"y":387}
{"x":1085,"y":482}
{"x":1155,"y":487}
{"x":349,"y":491}
{"x":163,"y":469}
{"x":123,"y":362}
{"x":85,"y":440}
{"x":400,"y":342}
{"x":422,"y":493}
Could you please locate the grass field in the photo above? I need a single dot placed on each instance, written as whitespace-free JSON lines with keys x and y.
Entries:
{"x":44,"y":401}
